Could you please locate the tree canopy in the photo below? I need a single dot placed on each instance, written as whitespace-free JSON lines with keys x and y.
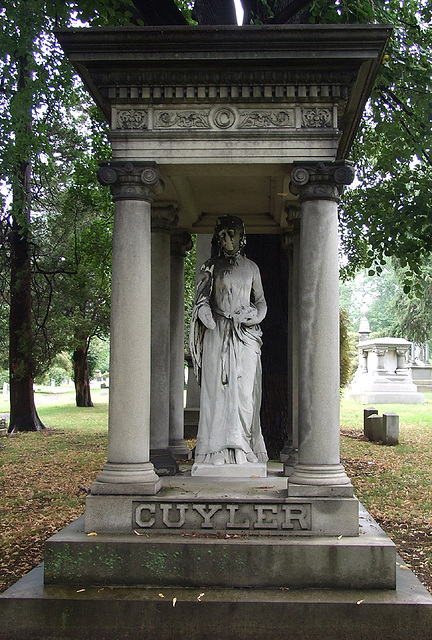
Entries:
{"x":47,"y":159}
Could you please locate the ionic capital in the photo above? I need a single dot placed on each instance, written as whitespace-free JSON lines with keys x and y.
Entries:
{"x":320,"y":180}
{"x":164,"y":215}
{"x":181,"y":242}
{"x":131,"y":180}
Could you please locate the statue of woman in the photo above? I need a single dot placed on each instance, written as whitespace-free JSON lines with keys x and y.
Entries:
{"x":225,"y":344}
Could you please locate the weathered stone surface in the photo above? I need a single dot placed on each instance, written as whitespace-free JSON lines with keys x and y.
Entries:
{"x":264,"y":556}
{"x":31,"y":611}
{"x":222,"y":505}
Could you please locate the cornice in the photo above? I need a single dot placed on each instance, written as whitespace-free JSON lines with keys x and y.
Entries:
{"x":335,"y":64}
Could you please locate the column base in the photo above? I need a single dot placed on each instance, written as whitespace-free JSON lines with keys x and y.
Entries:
{"x":320,"y":481}
{"x":127,"y":479}
{"x":289,"y":457}
{"x":164,"y":462}
{"x":180,"y":451}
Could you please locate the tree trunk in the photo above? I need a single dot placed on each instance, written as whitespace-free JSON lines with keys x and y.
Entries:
{"x":269,"y":255}
{"x":81,"y":378}
{"x":23,"y":414}
{"x":155,"y":12}
{"x":211,"y":12}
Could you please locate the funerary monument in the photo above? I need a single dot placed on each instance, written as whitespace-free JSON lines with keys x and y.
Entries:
{"x":205,"y":122}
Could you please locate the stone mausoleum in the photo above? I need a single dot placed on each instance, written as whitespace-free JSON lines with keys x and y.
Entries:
{"x":255,"y":122}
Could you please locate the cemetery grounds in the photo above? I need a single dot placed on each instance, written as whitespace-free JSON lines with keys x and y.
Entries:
{"x":45,"y":476}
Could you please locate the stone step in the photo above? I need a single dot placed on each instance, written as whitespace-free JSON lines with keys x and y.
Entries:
{"x":222,"y":559}
{"x":31,"y":611}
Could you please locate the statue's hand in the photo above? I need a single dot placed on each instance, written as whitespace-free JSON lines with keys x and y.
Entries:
{"x":206,"y":317}
{"x":247,"y":316}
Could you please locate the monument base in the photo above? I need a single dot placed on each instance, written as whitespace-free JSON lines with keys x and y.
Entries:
{"x":247,"y":470}
{"x":31,"y":611}
{"x":206,"y":505}
{"x":386,"y":397}
{"x":229,"y":559}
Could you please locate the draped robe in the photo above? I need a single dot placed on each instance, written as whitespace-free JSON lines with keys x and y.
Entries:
{"x":227,"y":359}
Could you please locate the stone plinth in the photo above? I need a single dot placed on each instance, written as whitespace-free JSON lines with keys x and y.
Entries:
{"x":247,"y":470}
{"x":30,"y":610}
{"x":422,"y":376}
{"x":383,"y":375}
{"x":197,"y":505}
{"x":231,"y":560}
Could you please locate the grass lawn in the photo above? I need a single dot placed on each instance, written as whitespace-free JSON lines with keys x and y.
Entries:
{"x":395,"y":483}
{"x":43,"y":477}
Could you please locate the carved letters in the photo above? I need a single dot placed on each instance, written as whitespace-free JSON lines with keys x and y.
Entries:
{"x":293,"y":517}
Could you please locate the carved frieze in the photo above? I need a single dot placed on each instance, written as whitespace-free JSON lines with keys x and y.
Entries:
{"x":181,"y":119}
{"x":316,"y":117}
{"x":219,"y":119}
{"x":132,"y":119}
{"x":266,"y":118}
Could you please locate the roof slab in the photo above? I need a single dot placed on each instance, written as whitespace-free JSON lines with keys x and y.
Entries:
{"x":225,"y":111}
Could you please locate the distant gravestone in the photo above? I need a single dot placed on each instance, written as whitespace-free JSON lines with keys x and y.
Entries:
{"x":391,"y":428}
{"x":369,"y":411}
{"x":383,"y":428}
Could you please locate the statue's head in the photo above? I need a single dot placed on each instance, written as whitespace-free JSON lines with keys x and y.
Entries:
{"x":229,"y":237}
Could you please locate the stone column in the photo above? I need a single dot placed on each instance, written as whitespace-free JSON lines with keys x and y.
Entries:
{"x":319,"y":472}
{"x":128,"y":470}
{"x":380,"y":353}
{"x":164,"y":217}
{"x":401,"y":358}
{"x":289,"y":454}
{"x":364,"y":360}
{"x":181,"y":242}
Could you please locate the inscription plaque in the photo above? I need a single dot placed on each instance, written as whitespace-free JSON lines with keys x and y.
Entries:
{"x":208,"y":516}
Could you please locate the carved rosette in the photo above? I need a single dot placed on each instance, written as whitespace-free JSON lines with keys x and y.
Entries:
{"x":320,"y":180}
{"x":164,"y":216}
{"x":132,"y":119}
{"x":131,"y":181}
{"x":181,"y":242}
{"x":316,"y":118}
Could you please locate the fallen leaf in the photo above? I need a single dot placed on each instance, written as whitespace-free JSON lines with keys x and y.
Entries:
{"x":174,"y":602}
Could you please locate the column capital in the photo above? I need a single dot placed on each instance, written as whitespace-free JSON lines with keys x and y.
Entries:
{"x":164,"y":215}
{"x":181,"y":242}
{"x":320,"y":180}
{"x":131,"y":180}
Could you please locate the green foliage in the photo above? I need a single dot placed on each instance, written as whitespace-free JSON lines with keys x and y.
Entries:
{"x":389,"y":213}
{"x":189,"y":288}
{"x":345,"y":357}
{"x":379,"y":295}
{"x":414,"y":309}
{"x":98,"y":356}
